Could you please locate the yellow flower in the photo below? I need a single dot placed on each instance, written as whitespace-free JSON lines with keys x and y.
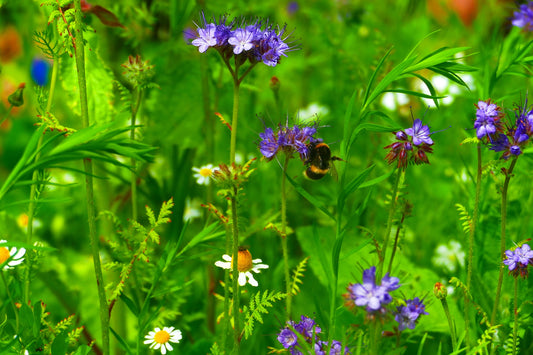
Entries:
{"x":161,"y":339}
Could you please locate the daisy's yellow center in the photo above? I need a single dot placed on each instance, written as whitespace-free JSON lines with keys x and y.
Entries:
{"x":161,"y":337}
{"x":206,"y":172}
{"x":245,"y":261}
{"x":4,"y":254}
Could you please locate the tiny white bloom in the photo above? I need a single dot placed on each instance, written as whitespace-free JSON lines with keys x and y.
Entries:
{"x":16,"y":255}
{"x":245,"y":266}
{"x":449,"y":256}
{"x":161,"y":339}
{"x":203,"y":174}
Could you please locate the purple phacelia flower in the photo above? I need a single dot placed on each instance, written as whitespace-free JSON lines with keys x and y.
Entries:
{"x":289,"y":139}
{"x":523,"y":18}
{"x":371,"y":295}
{"x":407,"y":315}
{"x":241,"y":40}
{"x":420,"y":133}
{"x":488,"y":119}
{"x":287,"y":338}
{"x":412,"y":146}
{"x":518,"y":259}
{"x":321,"y":348}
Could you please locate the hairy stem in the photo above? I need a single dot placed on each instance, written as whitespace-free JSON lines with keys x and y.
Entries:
{"x":284,"y":246}
{"x":15,"y":310}
{"x":137,"y":98}
{"x":234,"y":117}
{"x":88,"y":166}
{"x":508,"y":175}
{"x":450,"y":322}
{"x":471,"y":238}
{"x":235,"y":271}
{"x":389,"y":225}
{"x":515,"y":328}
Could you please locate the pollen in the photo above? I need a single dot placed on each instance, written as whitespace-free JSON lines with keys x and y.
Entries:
{"x":161,"y":337}
{"x":4,"y":255}
{"x":206,"y":172}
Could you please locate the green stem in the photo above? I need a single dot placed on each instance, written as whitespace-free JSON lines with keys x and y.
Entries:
{"x":235,"y":271}
{"x":284,"y":246}
{"x":471,"y":238}
{"x":234,"y":120}
{"x":508,"y":175}
{"x":35,"y":177}
{"x":7,"y":114}
{"x":137,"y":96}
{"x":396,"y":237}
{"x":227,"y":321}
{"x":515,"y":328}
{"x":389,"y":225}
{"x":91,"y":211}
{"x":15,"y":310}
{"x":375,"y":330}
{"x":450,"y":322}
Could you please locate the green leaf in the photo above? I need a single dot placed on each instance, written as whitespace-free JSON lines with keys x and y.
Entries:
{"x":314,"y":201}
{"x":59,"y":346}
{"x":122,"y":343}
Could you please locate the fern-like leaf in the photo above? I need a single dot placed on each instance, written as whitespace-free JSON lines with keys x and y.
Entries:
{"x":464,"y":217}
{"x":258,"y":305}
{"x":470,"y":140}
{"x":297,"y":276}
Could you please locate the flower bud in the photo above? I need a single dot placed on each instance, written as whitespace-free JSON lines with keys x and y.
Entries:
{"x":16,"y":98}
{"x":440,"y":291}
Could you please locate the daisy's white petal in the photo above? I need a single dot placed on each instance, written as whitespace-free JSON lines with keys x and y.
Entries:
{"x":196,"y":170}
{"x":19,"y":254}
{"x":257,"y":268}
{"x":157,"y":330}
{"x":163,"y":349}
{"x":251,"y":279}
{"x":3,"y":241}
{"x":256,"y":261}
{"x":148,"y":341}
{"x":151,"y":334}
{"x":15,"y":262}
{"x":223,"y":264}
{"x":226,"y":257}
{"x":242,"y":278}
{"x":169,"y":347}
{"x":168,"y":329}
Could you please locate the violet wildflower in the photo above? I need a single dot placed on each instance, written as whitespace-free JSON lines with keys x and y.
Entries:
{"x":369,"y":293}
{"x":287,"y":139}
{"x":287,"y":338}
{"x":523,"y":18}
{"x":321,"y":348}
{"x":488,"y":117}
{"x":407,"y":315}
{"x":412,"y":145}
{"x":518,"y":259}
{"x":257,"y":41}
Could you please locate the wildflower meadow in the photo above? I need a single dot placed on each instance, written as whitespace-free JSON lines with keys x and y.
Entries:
{"x":281,"y":177}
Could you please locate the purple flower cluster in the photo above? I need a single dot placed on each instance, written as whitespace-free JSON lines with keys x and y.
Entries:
{"x":523,"y":18}
{"x":518,"y":259}
{"x":408,"y":314}
{"x":309,"y":330}
{"x":514,"y":137}
{"x":288,"y":140}
{"x":488,"y":119}
{"x":412,"y":145}
{"x":257,"y":41}
{"x":371,"y":295}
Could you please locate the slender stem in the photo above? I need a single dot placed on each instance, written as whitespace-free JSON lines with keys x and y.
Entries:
{"x":284,"y":246}
{"x":234,"y":120}
{"x":35,"y":177}
{"x":450,"y":322}
{"x":137,"y":96}
{"x":15,"y":310}
{"x":515,"y":328}
{"x":375,"y":330}
{"x":508,"y":175}
{"x":471,"y":238}
{"x":235,"y":271}
{"x":396,"y":237}
{"x":91,"y":212}
{"x":389,"y":225}
{"x":7,"y":114}
{"x":227,"y":321}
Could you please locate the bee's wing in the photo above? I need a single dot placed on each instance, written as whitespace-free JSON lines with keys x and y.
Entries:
{"x":333,"y":171}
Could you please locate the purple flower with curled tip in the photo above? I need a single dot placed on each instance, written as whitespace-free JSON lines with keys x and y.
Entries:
{"x":371,"y":295}
{"x":420,"y":133}
{"x":206,"y":38}
{"x":288,"y":139}
{"x":408,"y":315}
{"x":518,"y":259}
{"x":488,"y":119}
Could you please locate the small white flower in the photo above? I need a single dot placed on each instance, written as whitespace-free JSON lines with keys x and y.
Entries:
{"x":16,"y":255}
{"x":246,"y":265}
{"x":449,"y":256}
{"x":162,"y":338}
{"x":203,"y":174}
{"x":192,"y":210}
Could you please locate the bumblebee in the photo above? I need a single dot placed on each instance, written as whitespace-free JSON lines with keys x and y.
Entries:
{"x":319,"y":161}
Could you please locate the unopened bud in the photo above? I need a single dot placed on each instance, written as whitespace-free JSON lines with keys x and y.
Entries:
{"x":440,"y":291}
{"x":16,"y":98}
{"x":274,"y":84}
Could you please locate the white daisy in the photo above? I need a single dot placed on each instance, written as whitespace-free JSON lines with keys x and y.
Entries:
{"x":16,"y":256}
{"x":162,"y":338}
{"x":245,"y":266}
{"x":449,"y":256}
{"x":203,"y":174}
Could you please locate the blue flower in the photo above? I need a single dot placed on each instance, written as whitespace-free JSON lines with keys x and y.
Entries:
{"x":487,"y":119}
{"x":241,"y":40}
{"x":407,"y":315}
{"x":371,"y":295}
{"x":420,"y":133}
{"x":288,"y":139}
{"x":287,"y":338}
{"x":518,"y":259}
{"x":39,"y":71}
{"x":524,"y":17}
